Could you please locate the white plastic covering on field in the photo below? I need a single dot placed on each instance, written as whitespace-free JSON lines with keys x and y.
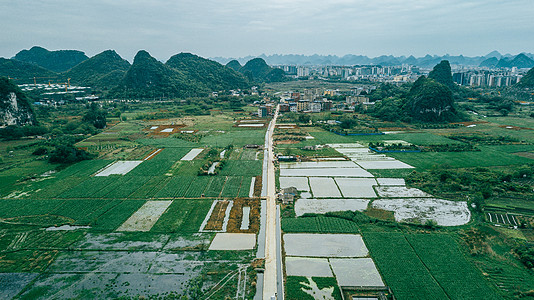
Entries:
{"x":119,"y":168}
{"x":192,"y":154}
{"x":321,"y":206}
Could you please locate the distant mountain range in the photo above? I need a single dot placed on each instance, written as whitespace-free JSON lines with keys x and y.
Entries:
{"x":186,"y":74}
{"x":183,"y":75}
{"x":427,"y":61}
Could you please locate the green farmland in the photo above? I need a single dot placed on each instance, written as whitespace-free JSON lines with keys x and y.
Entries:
{"x":61,"y":224}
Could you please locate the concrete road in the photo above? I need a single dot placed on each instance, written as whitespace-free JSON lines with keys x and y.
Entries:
{"x":270,"y":278}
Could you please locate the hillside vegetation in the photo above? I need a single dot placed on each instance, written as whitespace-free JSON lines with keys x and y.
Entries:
{"x":57,"y":61}
{"x":104,"y":70}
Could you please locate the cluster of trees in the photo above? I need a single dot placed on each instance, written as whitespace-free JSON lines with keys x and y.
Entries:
{"x":486,"y":139}
{"x":477,"y":183}
{"x":65,"y":152}
{"x":94,"y":118}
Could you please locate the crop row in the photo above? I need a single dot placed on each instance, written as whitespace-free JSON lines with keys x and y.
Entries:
{"x":99,"y":214}
{"x":215,"y":186}
{"x":232,"y":186}
{"x":242,"y":168}
{"x":422,"y":266}
{"x":184,"y":216}
{"x":401,"y":268}
{"x":319,"y":224}
{"x":441,"y":256}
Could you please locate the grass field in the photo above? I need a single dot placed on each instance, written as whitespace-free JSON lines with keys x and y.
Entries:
{"x":485,"y":158}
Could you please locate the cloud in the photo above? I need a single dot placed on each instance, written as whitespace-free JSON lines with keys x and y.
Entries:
{"x":239,"y":27}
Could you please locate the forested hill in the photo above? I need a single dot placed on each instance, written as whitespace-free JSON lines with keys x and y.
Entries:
{"x":22,"y":72}
{"x":104,"y":71}
{"x":257,"y":70}
{"x":148,"y":77}
{"x":57,"y":61}
{"x":528,"y":80}
{"x":183,"y":75}
{"x":212,"y":74}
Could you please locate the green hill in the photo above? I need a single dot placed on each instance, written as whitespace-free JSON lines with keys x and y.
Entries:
{"x":212,"y":74}
{"x":57,"y":61}
{"x":104,"y":70}
{"x":528,"y":80}
{"x":442,"y":74}
{"x":234,"y":65}
{"x":148,"y":77}
{"x":23,"y":72}
{"x":257,"y":70}
{"x":431,"y":101}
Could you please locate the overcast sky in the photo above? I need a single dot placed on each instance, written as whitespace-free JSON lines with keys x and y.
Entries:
{"x":235,"y":28}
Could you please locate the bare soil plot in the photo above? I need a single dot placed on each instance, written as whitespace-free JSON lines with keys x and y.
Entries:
{"x":239,"y":217}
{"x":301,"y":183}
{"x":444,"y":212}
{"x":324,"y":187}
{"x":319,"y":164}
{"x":307,"y":266}
{"x":145,"y":217}
{"x":359,"y":272}
{"x":357,"y":187}
{"x":324,"y":245}
{"x":326,"y":172}
{"x":217,"y":216}
{"x":400,"y":192}
{"x":192,"y":154}
{"x":152,"y":154}
{"x":391,"y":181}
{"x":233,"y":241}
{"x":385,"y":164}
{"x":321,"y":206}
{"x":119,"y":168}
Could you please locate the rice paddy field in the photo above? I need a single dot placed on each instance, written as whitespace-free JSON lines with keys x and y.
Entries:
{"x":132,"y":214}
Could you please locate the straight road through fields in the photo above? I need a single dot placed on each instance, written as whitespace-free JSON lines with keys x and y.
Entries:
{"x":271,"y":281}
